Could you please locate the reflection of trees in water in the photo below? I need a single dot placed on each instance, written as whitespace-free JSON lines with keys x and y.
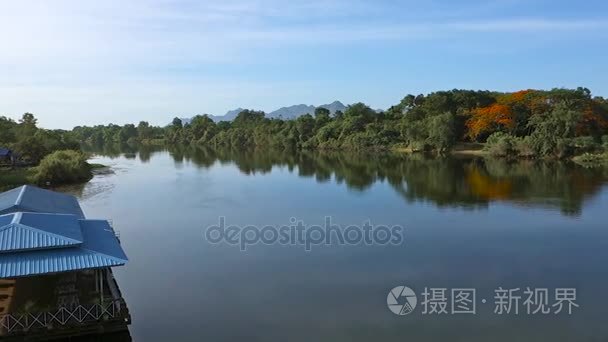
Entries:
{"x":469,"y":183}
{"x":460,"y":182}
{"x":129,"y":151}
{"x":547,"y":183}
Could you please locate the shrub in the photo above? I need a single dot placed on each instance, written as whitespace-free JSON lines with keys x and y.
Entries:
{"x":585,"y":144}
{"x":605,"y":141}
{"x":501,"y":144}
{"x":552,"y":131}
{"x":564,"y":147}
{"x":524,"y":147}
{"x":440,"y":130}
{"x":591,"y":160}
{"x":31,"y":149}
{"x":62,"y":167}
{"x":11,"y":178}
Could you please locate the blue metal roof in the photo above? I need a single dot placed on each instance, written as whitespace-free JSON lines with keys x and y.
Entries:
{"x":100,"y":237}
{"x":42,"y":232}
{"x":36,"y":231}
{"x":8,"y":199}
{"x":5,"y":219}
{"x":100,"y":248}
{"x":29,"y":198}
{"x":5,"y":152}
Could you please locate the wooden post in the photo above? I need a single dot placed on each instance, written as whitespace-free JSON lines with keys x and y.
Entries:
{"x":96,"y":281}
{"x":101,"y":286}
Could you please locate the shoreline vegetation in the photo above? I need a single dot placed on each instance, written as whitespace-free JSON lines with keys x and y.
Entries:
{"x":40,"y":156}
{"x":560,"y":123}
{"x":592,"y":159}
{"x":463,"y":149}
{"x":52,"y":172}
{"x":557,"y":124}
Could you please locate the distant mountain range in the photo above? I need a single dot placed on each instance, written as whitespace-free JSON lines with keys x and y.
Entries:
{"x":285,"y":113}
{"x":293,"y":112}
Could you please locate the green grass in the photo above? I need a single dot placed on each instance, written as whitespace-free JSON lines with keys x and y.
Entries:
{"x":12,"y":178}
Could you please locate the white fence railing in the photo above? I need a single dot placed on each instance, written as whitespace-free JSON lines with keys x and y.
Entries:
{"x":112,"y":310}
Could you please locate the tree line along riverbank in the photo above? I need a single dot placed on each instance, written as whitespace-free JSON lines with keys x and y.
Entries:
{"x":557,"y":123}
{"x":34,"y":155}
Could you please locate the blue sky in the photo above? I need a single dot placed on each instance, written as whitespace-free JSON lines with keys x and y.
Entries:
{"x":91,"y":62}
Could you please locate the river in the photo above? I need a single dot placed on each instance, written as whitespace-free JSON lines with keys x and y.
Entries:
{"x":466,"y":223}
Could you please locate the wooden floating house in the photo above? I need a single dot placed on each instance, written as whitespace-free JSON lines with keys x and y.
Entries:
{"x":55,"y":268}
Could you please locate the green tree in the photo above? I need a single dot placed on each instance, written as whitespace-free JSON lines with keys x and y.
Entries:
{"x":177,"y":123}
{"x":63,"y":167}
{"x":305,"y":126}
{"x":360,"y":110}
{"x":322,"y":117}
{"x":441,"y":131}
{"x":248,"y":117}
{"x":32,"y":148}
{"x":126,"y":133}
{"x":202,"y":128}
{"x":7,"y":130}
{"x":27,"y":124}
{"x":551,"y":131}
{"x":144,"y":131}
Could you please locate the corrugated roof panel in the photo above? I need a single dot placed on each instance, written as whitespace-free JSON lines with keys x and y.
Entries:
{"x":17,"y":237}
{"x":100,"y":248}
{"x":36,"y":231}
{"x":68,"y":226}
{"x":33,"y":199}
{"x":52,"y":261}
{"x":45,"y":232}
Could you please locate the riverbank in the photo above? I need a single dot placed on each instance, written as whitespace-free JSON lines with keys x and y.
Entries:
{"x":153,"y":142}
{"x":100,"y":169}
{"x":464,"y":149}
{"x":597,"y":159}
{"x":470,"y":149}
{"x":18,"y":176}
{"x":592,"y":159}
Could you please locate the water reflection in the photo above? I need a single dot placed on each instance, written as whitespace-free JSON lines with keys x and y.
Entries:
{"x":122,"y":149}
{"x":470,"y":183}
{"x":164,"y":198}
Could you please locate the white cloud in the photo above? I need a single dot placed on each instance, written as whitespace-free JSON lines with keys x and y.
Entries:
{"x":126,"y":32}
{"x":67,"y":56}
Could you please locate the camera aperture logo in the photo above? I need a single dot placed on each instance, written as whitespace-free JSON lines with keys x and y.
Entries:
{"x":401,"y":300}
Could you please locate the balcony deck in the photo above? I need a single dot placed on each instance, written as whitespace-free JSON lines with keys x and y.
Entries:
{"x":62,"y":306}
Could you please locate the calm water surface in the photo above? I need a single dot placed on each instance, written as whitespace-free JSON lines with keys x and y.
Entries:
{"x":468,"y":224}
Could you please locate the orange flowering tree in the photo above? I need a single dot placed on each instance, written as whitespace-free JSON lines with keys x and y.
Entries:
{"x":508,"y":113}
{"x":594,"y":120}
